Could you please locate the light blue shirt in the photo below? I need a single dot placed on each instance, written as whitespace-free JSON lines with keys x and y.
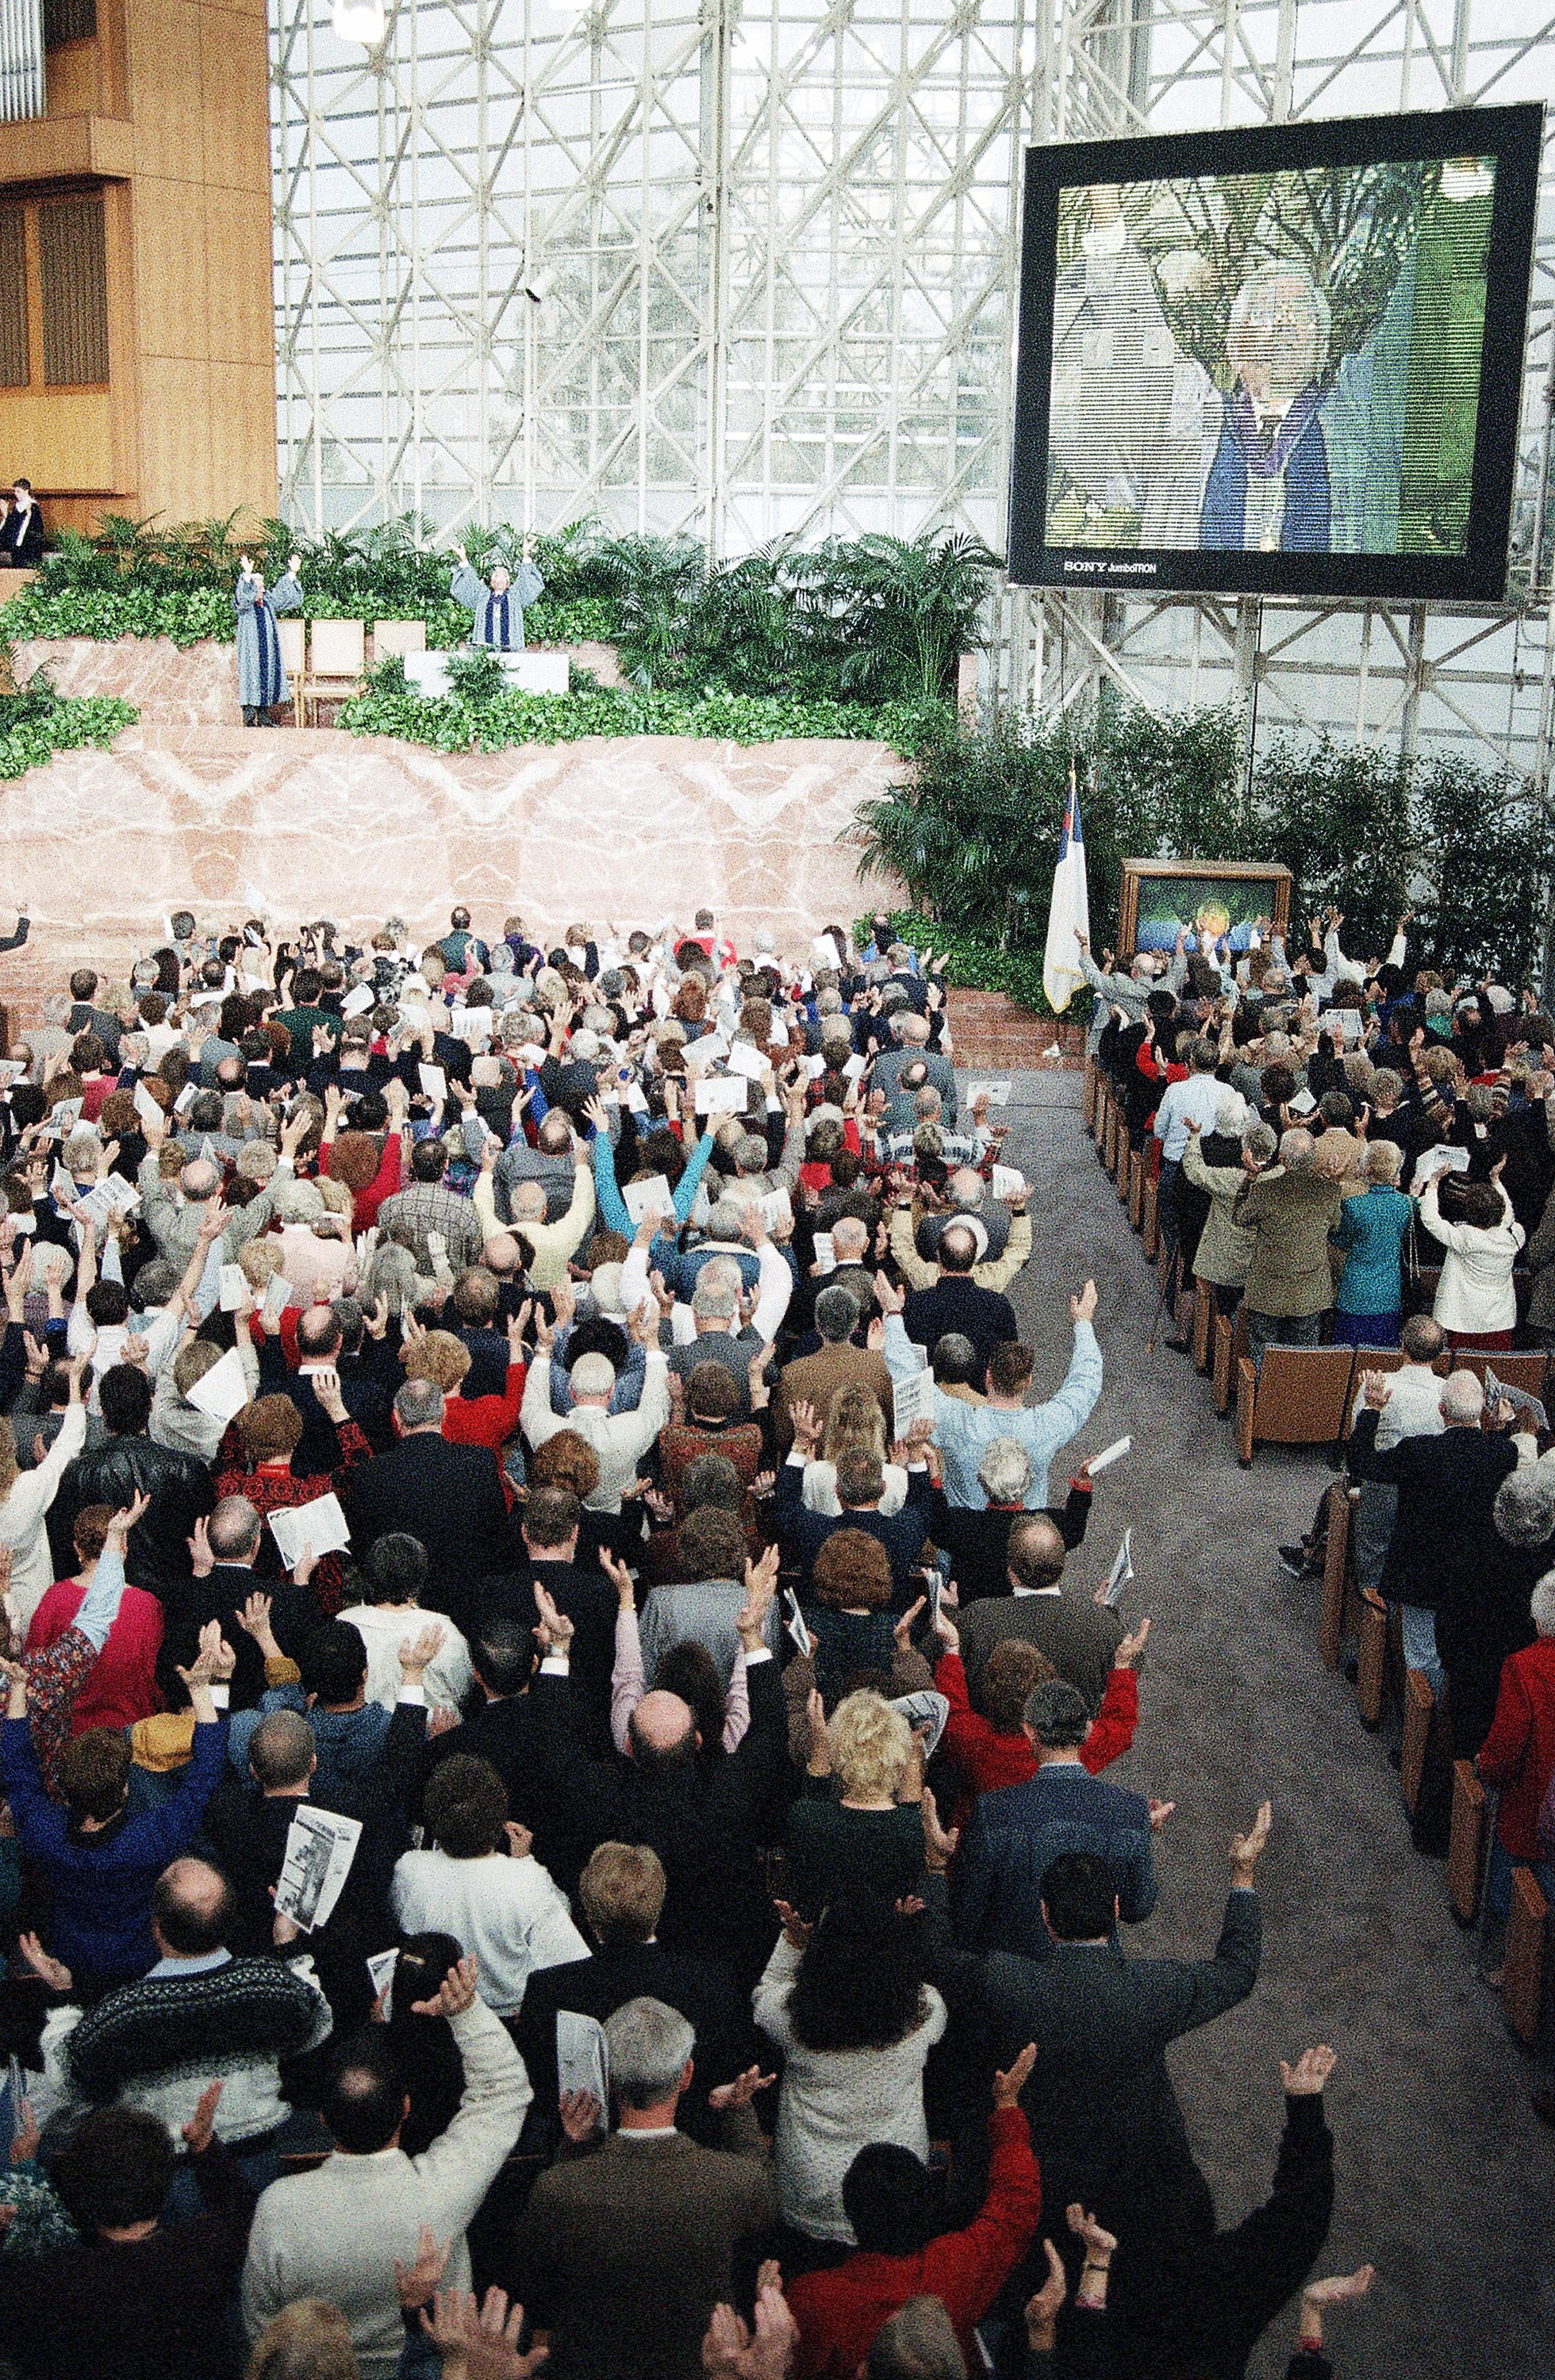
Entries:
{"x":1197,"y":1096}
{"x":964,"y":1432}
{"x":205,"y":1964}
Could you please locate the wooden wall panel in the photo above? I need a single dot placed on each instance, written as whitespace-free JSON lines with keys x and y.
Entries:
{"x":174,"y":473}
{"x":171,"y":300}
{"x":60,"y":437}
{"x":166,"y":96}
{"x":239,"y":282}
{"x":74,"y":81}
{"x":242,"y":440}
{"x":234,"y":79}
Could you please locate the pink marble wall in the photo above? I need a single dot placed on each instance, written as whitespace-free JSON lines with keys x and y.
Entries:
{"x":103,"y":845}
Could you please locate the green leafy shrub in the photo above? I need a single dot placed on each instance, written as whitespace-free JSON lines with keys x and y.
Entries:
{"x":469,"y":718}
{"x":972,"y":831}
{"x":36,"y":722}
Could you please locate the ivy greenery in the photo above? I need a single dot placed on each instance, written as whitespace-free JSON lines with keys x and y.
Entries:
{"x":973,"y":831}
{"x":38,"y":723}
{"x":872,"y":621}
{"x":482,"y":713}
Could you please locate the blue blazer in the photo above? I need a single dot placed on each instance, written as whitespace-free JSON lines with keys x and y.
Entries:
{"x":1016,"y":1833}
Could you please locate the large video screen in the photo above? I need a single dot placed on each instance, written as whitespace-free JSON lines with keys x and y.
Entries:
{"x":1286,"y":360}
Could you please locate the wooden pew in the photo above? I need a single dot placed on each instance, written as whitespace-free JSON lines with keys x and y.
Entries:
{"x":1372,"y":1667}
{"x":1088,"y":1097}
{"x":1203,"y":1316}
{"x":1149,"y":1218}
{"x":1137,"y":1166}
{"x":1465,"y":1849}
{"x":1299,"y":1398}
{"x":1231,"y":1347}
{"x":1523,"y":1984}
{"x":1337,"y":1581}
{"x":1419,"y":1710}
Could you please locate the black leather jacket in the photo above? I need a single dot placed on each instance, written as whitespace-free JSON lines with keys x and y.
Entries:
{"x":178,"y":1484}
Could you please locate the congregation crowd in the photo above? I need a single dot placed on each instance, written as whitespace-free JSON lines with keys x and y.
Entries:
{"x":559,"y":1692}
{"x":1361,"y":1152}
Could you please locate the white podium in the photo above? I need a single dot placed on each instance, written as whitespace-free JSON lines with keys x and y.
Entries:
{"x":529,"y":672}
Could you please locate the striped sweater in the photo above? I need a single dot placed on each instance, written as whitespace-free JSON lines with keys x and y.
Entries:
{"x":157,"y":2043}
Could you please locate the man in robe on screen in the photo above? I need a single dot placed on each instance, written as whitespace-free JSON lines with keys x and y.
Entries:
{"x":1268,"y":489}
{"x":497,"y":609}
{"x":262,"y":675}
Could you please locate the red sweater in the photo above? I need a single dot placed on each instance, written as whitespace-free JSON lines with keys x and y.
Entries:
{"x":1519,"y":1752}
{"x":120,"y":1687}
{"x":486,"y":1421}
{"x":986,"y":1760}
{"x":840,"y":2311}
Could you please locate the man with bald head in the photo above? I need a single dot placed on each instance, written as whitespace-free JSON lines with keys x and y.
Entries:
{"x":550,"y":1163}
{"x":957,"y":1301}
{"x":198,"y":2016}
{"x":1078,"y":1635}
{"x":705,"y":1813}
{"x":1290,"y":1208}
{"x":173,"y":1221}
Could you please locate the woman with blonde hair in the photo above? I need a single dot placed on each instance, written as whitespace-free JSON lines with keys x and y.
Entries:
{"x":858,"y":1827}
{"x":439,"y":1356}
{"x":854,"y":1419}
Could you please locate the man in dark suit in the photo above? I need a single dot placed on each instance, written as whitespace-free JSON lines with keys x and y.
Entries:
{"x":449,"y":1497}
{"x":366,"y":1372}
{"x":621,"y":1891}
{"x":1017,"y":1833}
{"x":1078,"y":1635}
{"x":958,"y":1303}
{"x":549,"y":1532}
{"x":624,"y":2252}
{"x":225,"y":1548}
{"x":706,"y":1813}
{"x":1447,"y":1494}
{"x":527,"y":1727}
{"x":1100,"y":2093}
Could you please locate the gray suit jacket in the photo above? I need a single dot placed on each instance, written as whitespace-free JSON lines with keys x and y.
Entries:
{"x":1078,"y":1637}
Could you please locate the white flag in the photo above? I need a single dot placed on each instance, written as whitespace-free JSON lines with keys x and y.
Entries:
{"x":1070,"y":913}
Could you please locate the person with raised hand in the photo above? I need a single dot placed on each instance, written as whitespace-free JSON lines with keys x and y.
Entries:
{"x":345,"y":2231}
{"x":101,"y":1858}
{"x":889,"y":2203}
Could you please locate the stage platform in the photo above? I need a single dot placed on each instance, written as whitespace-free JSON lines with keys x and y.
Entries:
{"x":294,"y":824}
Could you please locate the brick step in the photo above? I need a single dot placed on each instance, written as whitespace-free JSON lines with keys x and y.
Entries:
{"x":990,"y":1029}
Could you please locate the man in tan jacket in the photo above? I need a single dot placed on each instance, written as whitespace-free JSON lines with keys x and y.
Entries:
{"x":1290,"y":1211}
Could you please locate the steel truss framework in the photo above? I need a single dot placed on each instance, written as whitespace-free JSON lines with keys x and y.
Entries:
{"x":745,"y":269}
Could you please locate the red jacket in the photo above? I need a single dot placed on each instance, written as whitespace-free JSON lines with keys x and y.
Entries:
{"x":986,"y":1760}
{"x":840,"y":2311}
{"x":120,"y":1687}
{"x":384,"y":1183}
{"x":1519,"y":1752}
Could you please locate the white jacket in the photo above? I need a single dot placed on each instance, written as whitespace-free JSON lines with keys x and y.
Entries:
{"x":385,"y":1628}
{"x":507,"y":1911}
{"x":22,"y":1521}
{"x":1474,"y":1294}
{"x":335,"y":2233}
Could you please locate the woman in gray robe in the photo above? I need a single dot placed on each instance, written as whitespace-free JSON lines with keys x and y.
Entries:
{"x":262,"y":675}
{"x":497,"y":610}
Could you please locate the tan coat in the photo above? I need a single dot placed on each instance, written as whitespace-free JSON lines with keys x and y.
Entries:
{"x":1290,"y":1215}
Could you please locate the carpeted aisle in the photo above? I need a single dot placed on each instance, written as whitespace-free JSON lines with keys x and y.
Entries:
{"x":1446,"y":2178}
